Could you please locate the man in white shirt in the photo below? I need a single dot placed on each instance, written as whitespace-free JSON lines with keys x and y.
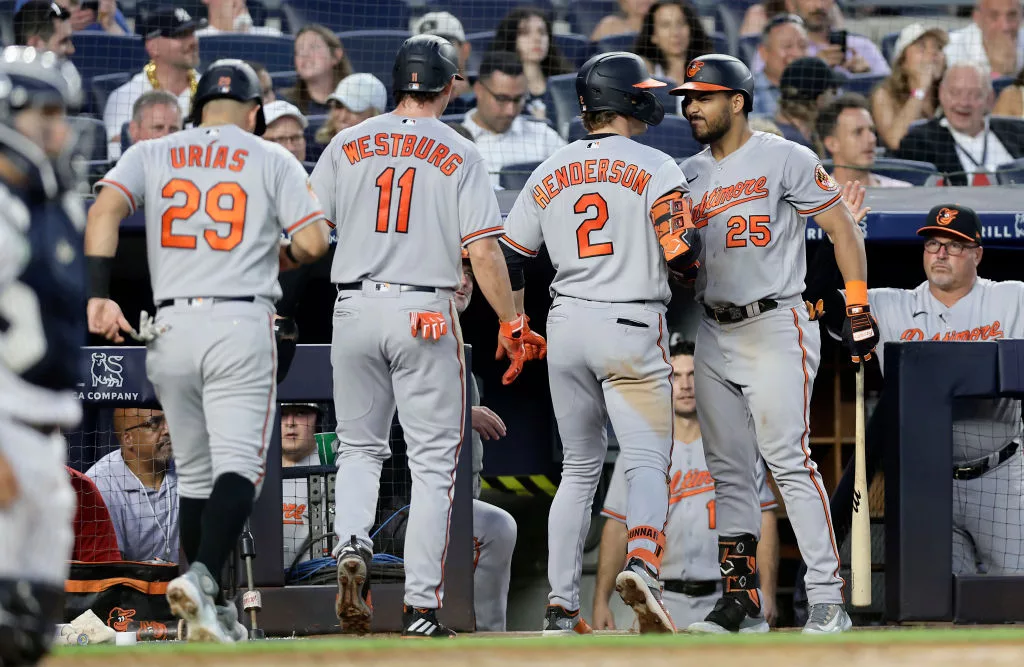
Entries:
{"x":169,"y":33}
{"x":502,"y":134}
{"x":232,"y":16}
{"x":994,"y":40}
{"x":967,"y":144}
{"x":140,"y":487}
{"x":848,"y":133}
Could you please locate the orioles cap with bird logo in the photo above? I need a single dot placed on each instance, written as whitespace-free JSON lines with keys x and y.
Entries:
{"x":952,"y":220}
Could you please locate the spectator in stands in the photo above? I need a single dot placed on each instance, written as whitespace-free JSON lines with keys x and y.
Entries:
{"x":993,"y":40}
{"x":671,"y":36}
{"x":140,"y":487}
{"x":629,"y":19}
{"x":45,"y":26}
{"x":173,"y":50}
{"x":320,"y":64}
{"x":95,"y":537}
{"x":446,"y":25}
{"x":1011,"y":100}
{"x":266,"y":83}
{"x":758,"y":15}
{"x":357,"y":97}
{"x":911,"y":92}
{"x":155,"y":114}
{"x":96,"y":16}
{"x":526,"y":31}
{"x":861,"y":55}
{"x":847,"y":132}
{"x":807,"y":85}
{"x":966,"y":141}
{"x":285,"y":126}
{"x":232,"y":16}
{"x":783,"y":40}
{"x":501,"y":135}
{"x":298,"y":448}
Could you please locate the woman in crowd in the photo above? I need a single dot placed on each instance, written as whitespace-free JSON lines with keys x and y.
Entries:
{"x":1011,"y":100}
{"x":320,"y":65}
{"x":911,"y":92}
{"x":526,"y":31}
{"x":629,"y":19}
{"x":671,"y":36}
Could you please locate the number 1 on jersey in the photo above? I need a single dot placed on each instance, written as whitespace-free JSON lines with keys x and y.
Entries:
{"x":712,"y":521}
{"x":385,"y":183}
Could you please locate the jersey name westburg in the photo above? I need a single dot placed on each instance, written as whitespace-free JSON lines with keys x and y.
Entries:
{"x":627,"y":175}
{"x":404,"y":145}
{"x":723,"y":198}
{"x":210,"y":157}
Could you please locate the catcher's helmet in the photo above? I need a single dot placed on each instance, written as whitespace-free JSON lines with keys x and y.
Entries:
{"x":33,"y":78}
{"x":717,"y":72}
{"x":425,"y":64}
{"x":231,"y":79}
{"x":619,"y":82}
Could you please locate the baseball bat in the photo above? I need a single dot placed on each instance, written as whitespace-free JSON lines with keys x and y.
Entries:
{"x":860,"y":531}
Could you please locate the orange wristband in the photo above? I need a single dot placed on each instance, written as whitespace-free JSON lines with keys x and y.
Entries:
{"x":857,"y":292}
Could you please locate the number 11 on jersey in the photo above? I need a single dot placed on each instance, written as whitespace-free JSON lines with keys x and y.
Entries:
{"x":385,"y":183}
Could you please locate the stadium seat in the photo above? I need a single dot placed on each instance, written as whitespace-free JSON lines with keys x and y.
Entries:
{"x":97,"y":53}
{"x":282,"y":80}
{"x":911,"y":171}
{"x":672,"y":136}
{"x":862,"y":83}
{"x":373,"y":52}
{"x":453,"y":118}
{"x":313,"y":149}
{"x":514,"y":176}
{"x":576,"y":48}
{"x":481,"y":43}
{"x":621,"y":42}
{"x":275,"y":53}
{"x":102,"y":86}
{"x":92,"y":136}
{"x":478,"y":16}
{"x":721,"y":43}
{"x":584,"y":15}
{"x":346,"y":15}
{"x":126,"y":138}
{"x":889,"y":45}
{"x":562,"y":88}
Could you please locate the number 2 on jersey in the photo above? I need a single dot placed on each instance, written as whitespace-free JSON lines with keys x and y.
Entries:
{"x":596,"y":223}
{"x":234,"y":215}
{"x":757,"y":231}
{"x":384,"y":184}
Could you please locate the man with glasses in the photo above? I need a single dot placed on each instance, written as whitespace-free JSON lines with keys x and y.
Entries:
{"x":285,"y":126}
{"x":140,"y":487}
{"x":45,"y":27}
{"x":502,"y":134}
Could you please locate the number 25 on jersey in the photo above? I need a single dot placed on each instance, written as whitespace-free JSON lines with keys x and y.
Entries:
{"x":742,"y":230}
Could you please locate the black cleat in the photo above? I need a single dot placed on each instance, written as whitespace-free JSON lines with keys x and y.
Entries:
{"x":423,"y":623}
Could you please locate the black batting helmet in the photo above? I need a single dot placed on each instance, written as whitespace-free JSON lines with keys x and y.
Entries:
{"x":716,"y":72}
{"x":425,"y":64}
{"x":619,"y":82}
{"x":228,"y":79}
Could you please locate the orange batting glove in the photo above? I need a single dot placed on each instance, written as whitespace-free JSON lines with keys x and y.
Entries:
{"x":533,"y":343}
{"x":510,"y":344}
{"x":430,"y":325}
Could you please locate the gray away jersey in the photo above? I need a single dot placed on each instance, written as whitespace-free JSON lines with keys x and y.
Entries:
{"x":405,"y":195}
{"x":216,"y":200}
{"x":590,"y":203}
{"x":751,"y":209}
{"x":990,"y":311}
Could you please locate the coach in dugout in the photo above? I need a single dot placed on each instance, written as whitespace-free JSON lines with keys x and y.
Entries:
{"x":952,"y":304}
{"x":140,"y":487}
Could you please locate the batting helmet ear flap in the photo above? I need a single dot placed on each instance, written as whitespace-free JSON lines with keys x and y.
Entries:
{"x":649,"y":108}
{"x":261,"y":122}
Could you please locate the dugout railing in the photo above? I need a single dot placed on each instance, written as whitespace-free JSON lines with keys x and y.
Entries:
{"x":117,"y":378}
{"x":929,"y":376}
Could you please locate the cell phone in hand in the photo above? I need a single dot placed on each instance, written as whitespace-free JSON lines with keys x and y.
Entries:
{"x":838,"y":37}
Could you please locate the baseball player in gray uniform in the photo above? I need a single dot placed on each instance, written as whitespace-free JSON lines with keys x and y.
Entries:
{"x":611,"y":212}
{"x":216,"y":198}
{"x":689,"y":572}
{"x":954,"y":304}
{"x":756,"y":354}
{"x":406,"y":193}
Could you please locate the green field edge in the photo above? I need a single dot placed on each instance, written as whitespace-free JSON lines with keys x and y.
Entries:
{"x":888,"y":635}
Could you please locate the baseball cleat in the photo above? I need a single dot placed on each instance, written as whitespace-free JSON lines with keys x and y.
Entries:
{"x":559,"y":621}
{"x":352,"y":604}
{"x":827,"y":619}
{"x":728,"y":616}
{"x":190,"y":598}
{"x":422,"y":623}
{"x":640,"y":590}
{"x":228,"y":617}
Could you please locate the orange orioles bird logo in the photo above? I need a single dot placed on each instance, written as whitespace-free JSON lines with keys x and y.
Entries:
{"x":118,"y":618}
{"x":694,"y":67}
{"x":822,"y":178}
{"x":946,"y":216}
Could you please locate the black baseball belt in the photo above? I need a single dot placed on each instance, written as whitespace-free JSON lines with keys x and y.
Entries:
{"x":978,"y":467}
{"x":693,"y":589}
{"x":733,"y":314}
{"x":196,"y":300}
{"x":358,"y":286}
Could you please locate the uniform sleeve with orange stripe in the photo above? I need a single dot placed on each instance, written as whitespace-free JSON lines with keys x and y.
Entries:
{"x":324,"y":181}
{"x":615,"y":499}
{"x":522,"y":225}
{"x":297,"y":204}
{"x":479,"y":215}
{"x":805,"y":183}
{"x":128,"y":177}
